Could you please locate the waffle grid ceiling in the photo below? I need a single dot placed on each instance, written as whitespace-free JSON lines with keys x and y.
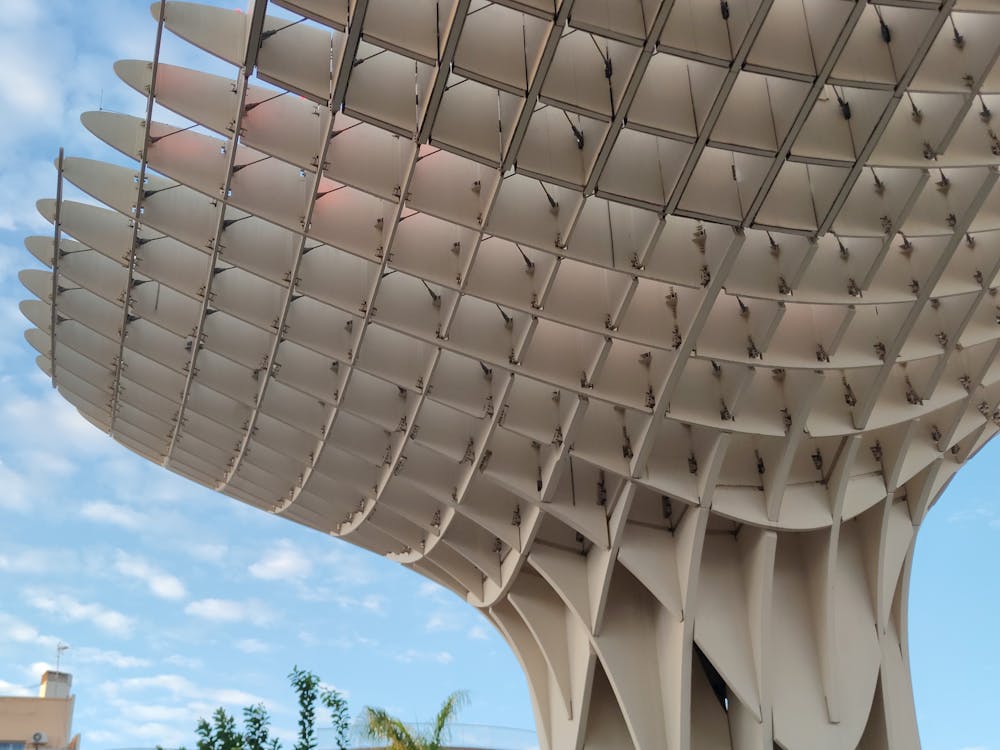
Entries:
{"x":458,"y":279}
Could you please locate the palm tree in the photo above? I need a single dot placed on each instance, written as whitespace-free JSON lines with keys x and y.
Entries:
{"x":380,"y":726}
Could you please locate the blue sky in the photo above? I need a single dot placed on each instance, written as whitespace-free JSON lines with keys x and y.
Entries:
{"x":176,"y":600}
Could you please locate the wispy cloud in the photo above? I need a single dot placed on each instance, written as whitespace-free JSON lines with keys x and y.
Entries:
{"x":352,"y":641}
{"x":441,"y":621}
{"x":21,"y":12}
{"x":15,"y":492}
{"x":478,"y":633}
{"x":416,"y":655}
{"x":35,"y":560}
{"x":971,"y":514}
{"x":21,"y":691}
{"x":374,"y":603}
{"x":252,"y":646}
{"x":185,"y":662}
{"x":207,"y":551}
{"x":143,"y":732}
{"x":153,"y":709}
{"x":253,"y":611}
{"x":102,"y":511}
{"x":980,"y":515}
{"x":431,"y":590}
{"x":347,"y":566}
{"x":309,"y":639}
{"x":310,"y":571}
{"x":35,"y":670}
{"x":18,"y":631}
{"x":69,"y":608}
{"x":284,"y":561}
{"x":34,"y":419}
{"x":90,"y":655}
{"x":160,"y":583}
{"x":448,"y":618}
{"x":179,"y":687}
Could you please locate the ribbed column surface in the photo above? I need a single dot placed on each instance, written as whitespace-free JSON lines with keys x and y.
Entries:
{"x":651,"y":327}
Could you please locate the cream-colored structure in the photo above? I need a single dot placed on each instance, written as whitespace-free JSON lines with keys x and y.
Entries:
{"x":651,"y":327}
{"x":42,"y":723}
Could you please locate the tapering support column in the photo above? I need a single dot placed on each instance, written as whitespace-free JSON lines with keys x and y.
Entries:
{"x":714,"y":639}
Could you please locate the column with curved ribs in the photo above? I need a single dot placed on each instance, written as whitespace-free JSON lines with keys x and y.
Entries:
{"x":652,"y":328}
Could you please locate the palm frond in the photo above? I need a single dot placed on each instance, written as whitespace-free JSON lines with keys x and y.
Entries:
{"x":449,"y":709}
{"x":380,"y":725}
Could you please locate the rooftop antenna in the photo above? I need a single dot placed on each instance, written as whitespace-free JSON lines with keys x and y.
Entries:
{"x":60,"y":647}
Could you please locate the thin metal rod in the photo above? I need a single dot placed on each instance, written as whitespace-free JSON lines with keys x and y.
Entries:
{"x":56,"y":242}
{"x":221,"y":223}
{"x":140,"y":195}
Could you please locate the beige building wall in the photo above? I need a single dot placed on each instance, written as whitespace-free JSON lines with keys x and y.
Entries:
{"x":50,"y":714}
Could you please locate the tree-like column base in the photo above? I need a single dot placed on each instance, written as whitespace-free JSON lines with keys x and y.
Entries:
{"x":709,"y":634}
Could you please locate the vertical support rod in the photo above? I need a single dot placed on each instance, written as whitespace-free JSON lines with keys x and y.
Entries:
{"x":140,"y":196}
{"x":56,"y":242}
{"x":242,"y":86}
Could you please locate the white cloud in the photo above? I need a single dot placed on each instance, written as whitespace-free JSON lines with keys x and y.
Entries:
{"x":413,"y":655}
{"x":428,"y":588}
{"x":252,"y":646}
{"x":18,"y":631}
{"x":231,"y":610}
{"x":971,"y":514}
{"x":982,"y":515}
{"x":171,"y":683}
{"x":9,"y":261}
{"x":302,"y":566}
{"x":145,"y":733}
{"x":185,"y":662}
{"x":90,"y":655}
{"x":285,"y":561}
{"x":308,"y":638}
{"x":374,"y":603}
{"x":20,"y":13}
{"x":160,"y":583}
{"x":449,"y":619}
{"x":208,"y":551}
{"x":181,"y":688}
{"x":35,"y":670}
{"x":25,"y":86}
{"x":147,"y":712}
{"x":345,"y":565}
{"x":21,"y":691}
{"x":46,"y":462}
{"x":154,"y":708}
{"x":35,"y":419}
{"x":352,"y":642}
{"x":15,"y":492}
{"x":478,"y":633}
{"x":233,"y":697}
{"x":69,"y":608}
{"x":116,"y":515}
{"x":441,"y":621}
{"x":34,"y":560}
{"x":434,"y":592}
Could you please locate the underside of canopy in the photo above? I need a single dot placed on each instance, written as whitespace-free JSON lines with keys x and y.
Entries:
{"x":653,"y":328}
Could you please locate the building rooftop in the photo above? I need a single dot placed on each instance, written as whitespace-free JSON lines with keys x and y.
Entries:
{"x":44,"y":722}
